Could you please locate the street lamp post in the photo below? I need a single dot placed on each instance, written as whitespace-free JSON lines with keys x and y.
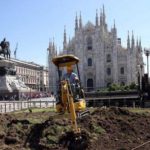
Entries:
{"x":138,"y":79}
{"x":147,"y":53}
{"x":140,"y":75}
{"x":141,"y":67}
{"x":140,"y":88}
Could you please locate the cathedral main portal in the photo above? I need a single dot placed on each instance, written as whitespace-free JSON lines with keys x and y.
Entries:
{"x":90,"y":84}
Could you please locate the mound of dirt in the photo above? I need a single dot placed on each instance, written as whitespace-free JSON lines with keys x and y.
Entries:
{"x":105,"y":129}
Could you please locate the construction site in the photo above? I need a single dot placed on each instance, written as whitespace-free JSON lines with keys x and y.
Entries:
{"x":74,"y":83}
{"x":104,"y":129}
{"x":72,"y":124}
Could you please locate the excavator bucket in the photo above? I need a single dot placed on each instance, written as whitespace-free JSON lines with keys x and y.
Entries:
{"x":75,"y":141}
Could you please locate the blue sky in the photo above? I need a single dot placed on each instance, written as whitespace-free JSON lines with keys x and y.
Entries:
{"x":32,"y":23}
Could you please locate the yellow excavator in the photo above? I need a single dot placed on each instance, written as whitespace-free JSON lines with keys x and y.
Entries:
{"x":70,"y":97}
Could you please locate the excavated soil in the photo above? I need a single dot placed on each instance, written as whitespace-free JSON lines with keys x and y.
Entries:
{"x":105,"y":129}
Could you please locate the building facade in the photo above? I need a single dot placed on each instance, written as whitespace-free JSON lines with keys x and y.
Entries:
{"x":103,"y":59}
{"x":33,"y":75}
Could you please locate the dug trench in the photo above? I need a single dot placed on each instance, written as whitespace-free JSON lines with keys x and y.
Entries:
{"x":104,"y":129}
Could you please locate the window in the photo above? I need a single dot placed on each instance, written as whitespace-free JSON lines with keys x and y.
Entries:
{"x":108,"y":58}
{"x":89,"y":62}
{"x":122,"y":70}
{"x":89,"y":43}
{"x":108,"y":71}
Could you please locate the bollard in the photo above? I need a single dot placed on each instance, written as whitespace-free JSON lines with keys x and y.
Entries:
{"x":21,"y":104}
{"x":5,"y":107}
{"x":24,"y":105}
{"x":46,"y":104}
{"x":9,"y":107}
{"x":53,"y":103}
{"x":28,"y":103}
{"x":31,"y":103}
{"x":40,"y":103}
{"x":34,"y":104}
{"x":18,"y":105}
{"x":14,"y":106}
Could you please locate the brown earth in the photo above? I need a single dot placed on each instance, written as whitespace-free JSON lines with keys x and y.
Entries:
{"x":105,"y":129}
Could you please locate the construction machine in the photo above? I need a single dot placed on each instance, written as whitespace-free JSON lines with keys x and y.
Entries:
{"x":71,"y":98}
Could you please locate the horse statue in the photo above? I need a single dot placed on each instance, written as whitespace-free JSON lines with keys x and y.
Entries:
{"x":4,"y":49}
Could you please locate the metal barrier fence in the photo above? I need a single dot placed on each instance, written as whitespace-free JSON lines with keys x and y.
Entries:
{"x":10,"y":106}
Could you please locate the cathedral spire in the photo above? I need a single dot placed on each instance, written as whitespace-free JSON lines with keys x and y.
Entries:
{"x":80,"y":21}
{"x":49,"y":46}
{"x":65,"y":39}
{"x":140,"y":46}
{"x":137,"y":43}
{"x":128,"y":41}
{"x":132,"y":44}
{"x":104,"y":17}
{"x":101,"y":18}
{"x":114,"y":24}
{"x":96,"y":20}
{"x":53,"y":46}
{"x":76,"y":23}
{"x":114,"y":28}
{"x":56,"y":49}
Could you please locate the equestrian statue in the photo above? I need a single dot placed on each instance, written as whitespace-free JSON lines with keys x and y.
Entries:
{"x":4,"y":49}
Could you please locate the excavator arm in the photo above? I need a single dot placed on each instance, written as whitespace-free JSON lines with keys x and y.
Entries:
{"x":76,"y":140}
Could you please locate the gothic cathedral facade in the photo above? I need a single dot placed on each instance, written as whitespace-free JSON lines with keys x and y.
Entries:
{"x":103,"y":60}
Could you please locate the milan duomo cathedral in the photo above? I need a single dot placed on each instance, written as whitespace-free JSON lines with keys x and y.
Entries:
{"x":103,"y":60}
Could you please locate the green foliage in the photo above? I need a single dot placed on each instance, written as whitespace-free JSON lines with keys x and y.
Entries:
{"x":119,"y":87}
{"x":126,"y":88}
{"x":133,"y":86}
{"x":113,"y":87}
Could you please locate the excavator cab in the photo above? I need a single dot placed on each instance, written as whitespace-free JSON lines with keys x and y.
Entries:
{"x":74,"y":89}
{"x":71,"y":99}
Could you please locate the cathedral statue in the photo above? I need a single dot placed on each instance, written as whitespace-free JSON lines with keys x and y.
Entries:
{"x":4,"y":48}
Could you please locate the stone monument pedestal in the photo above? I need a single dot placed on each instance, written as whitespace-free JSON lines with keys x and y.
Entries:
{"x":11,"y":86}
